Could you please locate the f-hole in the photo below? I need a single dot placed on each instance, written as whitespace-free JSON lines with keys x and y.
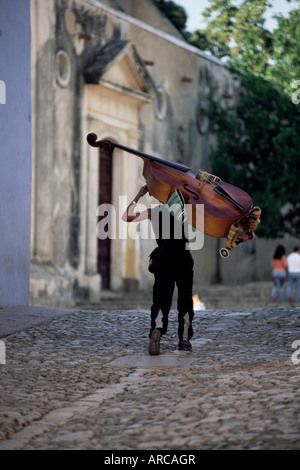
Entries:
{"x":105,"y":197}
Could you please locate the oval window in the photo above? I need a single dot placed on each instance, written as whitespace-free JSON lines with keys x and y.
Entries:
{"x":63,"y":68}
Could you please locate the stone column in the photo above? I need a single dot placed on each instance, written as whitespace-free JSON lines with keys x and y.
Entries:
{"x":43,"y":61}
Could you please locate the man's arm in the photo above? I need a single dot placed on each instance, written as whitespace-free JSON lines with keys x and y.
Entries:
{"x":131,"y":216}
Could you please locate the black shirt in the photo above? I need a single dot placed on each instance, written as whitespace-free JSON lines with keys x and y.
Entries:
{"x":169,"y":232}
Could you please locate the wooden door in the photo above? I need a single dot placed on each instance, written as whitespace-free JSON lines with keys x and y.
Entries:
{"x":105,"y":197}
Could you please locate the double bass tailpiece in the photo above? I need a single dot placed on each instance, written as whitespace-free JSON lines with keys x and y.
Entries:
{"x":242,"y":231}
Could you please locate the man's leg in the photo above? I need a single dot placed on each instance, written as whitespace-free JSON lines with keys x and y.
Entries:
{"x":185,"y":308}
{"x":163,"y":290}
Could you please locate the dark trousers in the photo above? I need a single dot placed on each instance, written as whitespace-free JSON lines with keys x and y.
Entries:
{"x":165,"y":280}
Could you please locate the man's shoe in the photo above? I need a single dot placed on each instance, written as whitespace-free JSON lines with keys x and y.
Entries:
{"x":184,"y":346}
{"x":154,"y":345}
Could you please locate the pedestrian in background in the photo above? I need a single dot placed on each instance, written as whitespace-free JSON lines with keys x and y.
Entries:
{"x":293,"y":266}
{"x":197,"y":303}
{"x":279,"y":266}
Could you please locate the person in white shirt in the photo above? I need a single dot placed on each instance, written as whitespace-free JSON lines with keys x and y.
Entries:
{"x":293,"y":266}
{"x":197,"y":303}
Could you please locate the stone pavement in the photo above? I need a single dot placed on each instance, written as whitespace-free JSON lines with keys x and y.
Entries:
{"x":83,"y":379}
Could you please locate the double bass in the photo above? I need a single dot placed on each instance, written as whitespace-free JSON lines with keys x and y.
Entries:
{"x":228,"y":210}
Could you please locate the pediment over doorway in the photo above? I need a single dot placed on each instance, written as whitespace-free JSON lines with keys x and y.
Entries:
{"x":119,"y":65}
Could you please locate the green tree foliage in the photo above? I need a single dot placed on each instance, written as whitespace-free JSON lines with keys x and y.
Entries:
{"x":258,"y":150}
{"x":257,"y":140}
{"x":285,"y":64}
{"x":237,"y":33}
{"x":175,"y":13}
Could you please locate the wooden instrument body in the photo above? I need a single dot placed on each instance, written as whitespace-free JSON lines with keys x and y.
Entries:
{"x":219,"y":214}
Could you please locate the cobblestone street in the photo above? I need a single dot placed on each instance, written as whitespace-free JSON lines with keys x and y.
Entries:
{"x":83,"y":379}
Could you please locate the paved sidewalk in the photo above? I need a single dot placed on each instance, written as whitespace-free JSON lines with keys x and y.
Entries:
{"x":82,"y":379}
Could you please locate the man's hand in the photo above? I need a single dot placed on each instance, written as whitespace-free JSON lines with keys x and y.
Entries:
{"x":130,"y":215}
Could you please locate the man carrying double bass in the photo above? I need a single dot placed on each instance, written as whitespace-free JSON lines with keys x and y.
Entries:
{"x":171,"y":263}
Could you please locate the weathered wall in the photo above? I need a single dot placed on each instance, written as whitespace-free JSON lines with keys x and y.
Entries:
{"x":147,"y":12}
{"x":15,"y":152}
